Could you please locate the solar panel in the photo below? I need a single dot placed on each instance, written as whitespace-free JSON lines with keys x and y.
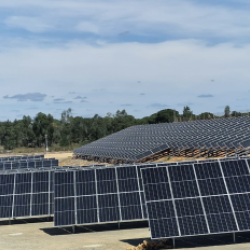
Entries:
{"x":105,"y":193}
{"x":20,"y":158}
{"x":26,"y":193}
{"x":99,"y":195}
{"x":198,"y":199}
{"x":33,"y":163}
{"x":140,"y":142}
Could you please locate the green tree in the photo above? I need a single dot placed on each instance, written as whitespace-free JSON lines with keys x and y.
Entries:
{"x":205,"y":116}
{"x":235,"y":113}
{"x":43,"y":124}
{"x":66,"y":116}
{"x":66,"y":129}
{"x":187,"y":113}
{"x":28,"y":133}
{"x":166,"y":115}
{"x":227,"y":111}
{"x":9,"y":140}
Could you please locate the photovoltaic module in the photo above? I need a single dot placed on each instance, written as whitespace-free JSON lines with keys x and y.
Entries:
{"x":198,"y":199}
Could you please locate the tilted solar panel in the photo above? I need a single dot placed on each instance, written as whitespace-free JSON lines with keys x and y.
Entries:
{"x":36,"y":163}
{"x":26,"y":193}
{"x":99,"y":195}
{"x":20,"y":158}
{"x":198,"y":199}
{"x":92,"y":195}
{"x":140,"y":142}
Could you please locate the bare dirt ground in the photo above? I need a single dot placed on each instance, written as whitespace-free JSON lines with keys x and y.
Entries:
{"x":38,"y":235}
{"x":64,"y":157}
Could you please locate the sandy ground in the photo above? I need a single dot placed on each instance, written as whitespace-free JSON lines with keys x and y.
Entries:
{"x":66,"y":158}
{"x":37,"y":235}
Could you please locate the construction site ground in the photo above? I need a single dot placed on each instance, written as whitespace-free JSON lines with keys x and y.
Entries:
{"x":67,"y":158}
{"x":38,"y":234}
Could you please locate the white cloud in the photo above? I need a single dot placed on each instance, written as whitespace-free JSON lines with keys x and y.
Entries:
{"x":28,"y":23}
{"x":87,"y":27}
{"x":165,"y":17}
{"x":178,"y":66}
{"x":201,"y":41}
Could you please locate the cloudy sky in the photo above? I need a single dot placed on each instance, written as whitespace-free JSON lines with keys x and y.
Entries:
{"x":140,"y":55}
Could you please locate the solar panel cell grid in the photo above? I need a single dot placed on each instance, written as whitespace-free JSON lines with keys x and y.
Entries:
{"x":219,"y":204}
{"x":138,"y":142}
{"x":26,"y":193}
{"x":106,"y":194}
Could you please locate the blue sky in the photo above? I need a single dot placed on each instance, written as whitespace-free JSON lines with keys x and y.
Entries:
{"x":143,"y":56}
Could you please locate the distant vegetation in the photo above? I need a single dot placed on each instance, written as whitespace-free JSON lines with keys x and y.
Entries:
{"x":70,"y":132}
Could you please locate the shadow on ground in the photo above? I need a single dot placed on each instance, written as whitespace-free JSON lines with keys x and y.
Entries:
{"x":201,"y":241}
{"x":25,"y":221}
{"x":94,"y":228}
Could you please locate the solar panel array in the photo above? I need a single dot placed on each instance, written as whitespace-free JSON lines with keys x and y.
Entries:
{"x":99,"y":195}
{"x":5,"y":165}
{"x":92,"y":195}
{"x":19,"y":158}
{"x":26,"y":193}
{"x":138,"y":142}
{"x":198,"y":199}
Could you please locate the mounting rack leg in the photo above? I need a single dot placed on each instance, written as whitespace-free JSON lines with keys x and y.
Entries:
{"x":173,"y":242}
{"x":73,"y":229}
{"x":234,"y":238}
{"x":119,"y":225}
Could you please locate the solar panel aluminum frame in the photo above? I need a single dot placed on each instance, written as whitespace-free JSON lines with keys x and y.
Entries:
{"x":200,"y":197}
{"x":119,"y":193}
{"x":203,"y":133}
{"x":15,"y":194}
{"x":51,"y":162}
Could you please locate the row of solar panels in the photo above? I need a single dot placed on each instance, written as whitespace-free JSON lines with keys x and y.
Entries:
{"x":29,"y":192}
{"x":198,"y":199}
{"x":21,"y":158}
{"x":26,"y":193}
{"x":138,"y":142}
{"x":49,"y":162}
{"x":93,"y":195}
{"x":109,"y":194}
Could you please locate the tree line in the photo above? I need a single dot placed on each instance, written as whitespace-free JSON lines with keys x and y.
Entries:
{"x":70,"y":130}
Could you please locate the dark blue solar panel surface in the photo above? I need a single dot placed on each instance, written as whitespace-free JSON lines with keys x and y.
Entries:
{"x":138,"y":142}
{"x":198,"y":199}
{"x":26,"y":193}
{"x":32,"y":163}
{"x":99,"y":195}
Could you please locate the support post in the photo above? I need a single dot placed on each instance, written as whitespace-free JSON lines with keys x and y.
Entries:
{"x":234,"y":238}
{"x":46,"y":143}
{"x":119,"y":225}
{"x":73,"y":229}
{"x":173,"y":242}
